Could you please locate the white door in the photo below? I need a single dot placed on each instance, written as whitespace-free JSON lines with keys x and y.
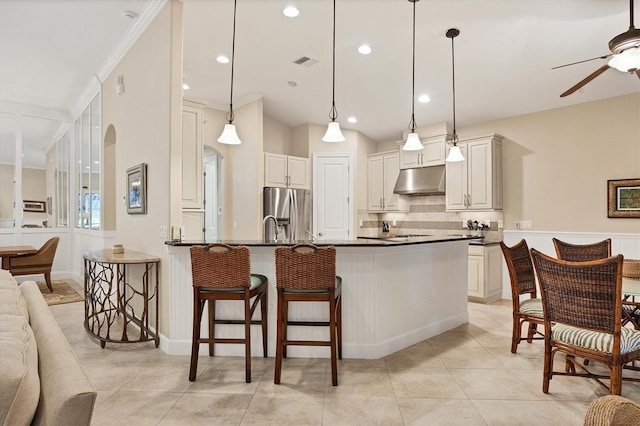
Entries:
{"x":332,"y":195}
{"x":211,"y":198}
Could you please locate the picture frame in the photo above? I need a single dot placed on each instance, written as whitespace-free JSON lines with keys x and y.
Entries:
{"x":34,"y":206}
{"x":137,"y":189}
{"x":623,"y":198}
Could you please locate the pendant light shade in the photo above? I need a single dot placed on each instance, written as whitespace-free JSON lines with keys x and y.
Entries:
{"x":229,"y":135}
{"x":454,"y":153}
{"x":413,"y":140}
{"x":333,"y":133}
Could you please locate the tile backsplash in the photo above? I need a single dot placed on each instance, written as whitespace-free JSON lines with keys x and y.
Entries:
{"x":427,"y":215}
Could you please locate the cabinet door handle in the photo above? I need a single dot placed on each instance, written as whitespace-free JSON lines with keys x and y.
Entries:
{"x":383,"y":202}
{"x":421,"y":158}
{"x":468,"y":200}
{"x":465,"y":200}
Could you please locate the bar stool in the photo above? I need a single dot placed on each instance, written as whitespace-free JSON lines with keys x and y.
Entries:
{"x":222,"y":272}
{"x":306,"y":273}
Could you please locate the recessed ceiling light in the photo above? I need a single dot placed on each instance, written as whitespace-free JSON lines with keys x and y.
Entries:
{"x":424,"y":99}
{"x":364,"y":49}
{"x":185,"y":86}
{"x":130,"y":14}
{"x":222,"y":59}
{"x":291,"y":11}
{"x":292,"y":83}
{"x":352,"y":119}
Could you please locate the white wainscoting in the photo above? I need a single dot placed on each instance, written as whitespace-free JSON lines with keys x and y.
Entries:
{"x":625,"y":244}
{"x":393,"y":297}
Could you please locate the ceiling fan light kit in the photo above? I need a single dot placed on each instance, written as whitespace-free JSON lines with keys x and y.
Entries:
{"x":625,"y":55}
{"x":333,"y":134}
{"x":413,"y":140}
{"x":229,"y":135}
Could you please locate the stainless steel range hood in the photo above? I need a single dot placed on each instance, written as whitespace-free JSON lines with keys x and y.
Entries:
{"x":421,"y":181}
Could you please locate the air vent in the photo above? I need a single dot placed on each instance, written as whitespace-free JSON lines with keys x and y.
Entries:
{"x":305,"y":61}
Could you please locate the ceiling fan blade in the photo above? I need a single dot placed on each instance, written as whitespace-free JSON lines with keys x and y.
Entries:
{"x":586,"y":80}
{"x":579,"y":62}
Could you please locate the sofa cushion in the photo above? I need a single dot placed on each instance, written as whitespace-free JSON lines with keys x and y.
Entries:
{"x":19,"y":380}
{"x":11,"y":300}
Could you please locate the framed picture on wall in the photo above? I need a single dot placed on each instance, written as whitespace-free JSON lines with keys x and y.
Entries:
{"x":137,"y":189}
{"x":33,"y":206}
{"x":623,"y":198}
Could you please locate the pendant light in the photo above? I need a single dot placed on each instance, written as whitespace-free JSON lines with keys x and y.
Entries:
{"x":333,"y":133}
{"x":413,"y":140}
{"x":454,"y":153}
{"x":229,"y":135}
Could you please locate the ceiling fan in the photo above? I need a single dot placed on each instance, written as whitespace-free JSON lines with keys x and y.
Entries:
{"x":624,"y":56}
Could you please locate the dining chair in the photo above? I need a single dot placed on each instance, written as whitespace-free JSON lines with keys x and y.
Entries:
{"x":40,"y":262}
{"x":582,"y":252}
{"x":307,"y":273}
{"x":222,"y":272}
{"x":582,"y":303}
{"x":523,"y":282}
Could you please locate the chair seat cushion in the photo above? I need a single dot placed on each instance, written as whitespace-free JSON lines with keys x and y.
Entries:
{"x":532,"y":307}
{"x":319,"y":290}
{"x":602,"y":342}
{"x":256,"y":281}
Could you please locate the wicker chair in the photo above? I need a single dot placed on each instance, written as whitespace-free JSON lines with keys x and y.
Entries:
{"x":612,"y":410}
{"x":582,"y":252}
{"x":583,"y":301}
{"x":36,"y":263}
{"x":630,"y":305}
{"x":306,"y":273}
{"x":523,"y":281}
{"x":222,"y":272}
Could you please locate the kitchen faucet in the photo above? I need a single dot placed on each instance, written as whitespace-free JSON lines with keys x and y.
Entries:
{"x":275,"y":222}
{"x":313,"y":237}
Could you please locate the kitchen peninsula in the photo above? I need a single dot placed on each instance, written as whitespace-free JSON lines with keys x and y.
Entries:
{"x":396,"y":292}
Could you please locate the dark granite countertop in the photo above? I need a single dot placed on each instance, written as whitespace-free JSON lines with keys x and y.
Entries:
{"x":360,"y":242}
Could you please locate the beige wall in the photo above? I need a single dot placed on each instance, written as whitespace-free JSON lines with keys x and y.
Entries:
{"x":6,"y":200}
{"x":277,"y":137}
{"x":557,"y":163}
{"x":141,"y":118}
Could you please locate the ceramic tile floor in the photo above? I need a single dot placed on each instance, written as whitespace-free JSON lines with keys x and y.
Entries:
{"x":466,"y":376}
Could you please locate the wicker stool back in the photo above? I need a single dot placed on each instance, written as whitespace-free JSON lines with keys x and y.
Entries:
{"x":223,"y":272}
{"x":582,"y":252}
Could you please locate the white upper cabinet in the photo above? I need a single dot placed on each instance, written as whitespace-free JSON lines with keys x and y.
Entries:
{"x":476,"y":182}
{"x":192,"y":177}
{"x":433,"y":153}
{"x":286,"y":171}
{"x":382,"y":174}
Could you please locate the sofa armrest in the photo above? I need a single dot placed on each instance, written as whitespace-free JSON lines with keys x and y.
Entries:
{"x":66,"y":395}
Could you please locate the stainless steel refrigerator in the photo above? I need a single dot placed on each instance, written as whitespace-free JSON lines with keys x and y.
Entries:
{"x":291,"y":209}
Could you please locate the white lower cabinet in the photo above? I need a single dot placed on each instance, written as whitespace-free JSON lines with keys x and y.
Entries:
{"x":485,"y":273}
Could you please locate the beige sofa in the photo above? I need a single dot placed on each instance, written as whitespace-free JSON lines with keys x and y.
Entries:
{"x":41,"y":381}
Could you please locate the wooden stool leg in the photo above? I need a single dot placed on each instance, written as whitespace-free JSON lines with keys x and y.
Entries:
{"x":263,"y":313}
{"x":212,"y":325}
{"x":285,"y":320}
{"x":515,"y":334}
{"x":280,"y":323}
{"x":47,"y":279}
{"x":332,"y":338}
{"x":339,"y":320}
{"x":247,"y":336}
{"x":198,"y":306}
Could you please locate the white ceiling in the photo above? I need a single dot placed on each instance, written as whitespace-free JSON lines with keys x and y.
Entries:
{"x":51,"y":50}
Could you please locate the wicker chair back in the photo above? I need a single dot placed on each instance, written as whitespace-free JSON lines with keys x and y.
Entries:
{"x":305,"y":267}
{"x":581,"y":294}
{"x":582,"y":252}
{"x":520,"y":266}
{"x":220,"y":266}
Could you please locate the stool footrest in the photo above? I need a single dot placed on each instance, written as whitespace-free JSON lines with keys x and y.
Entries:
{"x":238,"y":321}
{"x":310,"y":323}
{"x":306,"y":343}
{"x":221,"y":340}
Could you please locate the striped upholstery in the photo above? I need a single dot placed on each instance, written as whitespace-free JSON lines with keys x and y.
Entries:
{"x":602,"y":342}
{"x":532,"y":307}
